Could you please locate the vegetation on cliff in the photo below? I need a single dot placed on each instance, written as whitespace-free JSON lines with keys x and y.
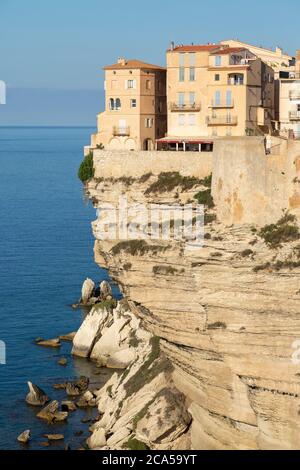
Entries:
{"x":86,"y":170}
{"x":285,"y":230}
{"x":168,"y":181}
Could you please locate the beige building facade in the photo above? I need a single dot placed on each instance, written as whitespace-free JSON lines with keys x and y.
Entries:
{"x":135,"y":107}
{"x":289,"y":101}
{"x":215,"y":91}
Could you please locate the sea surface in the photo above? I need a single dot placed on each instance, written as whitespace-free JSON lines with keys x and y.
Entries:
{"x":46,"y":252}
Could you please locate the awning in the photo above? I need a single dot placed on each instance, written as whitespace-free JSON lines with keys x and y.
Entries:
{"x":182,"y":141}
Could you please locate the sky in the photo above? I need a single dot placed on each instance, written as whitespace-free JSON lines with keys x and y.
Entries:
{"x":52,"y":51}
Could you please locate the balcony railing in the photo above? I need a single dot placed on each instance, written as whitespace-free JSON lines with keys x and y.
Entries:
{"x":178,"y":107}
{"x":294,"y":115}
{"x":222,"y":120}
{"x":235,"y":81}
{"x":121,"y":131}
{"x":294,"y":95}
{"x":222,"y":104}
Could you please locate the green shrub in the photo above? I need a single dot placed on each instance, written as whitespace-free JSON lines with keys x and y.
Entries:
{"x":137,"y":247}
{"x":106,"y":304}
{"x":284,"y":231}
{"x":86,"y":170}
{"x":134,"y":444}
{"x":247,"y":253}
{"x":168,"y":181}
{"x":205,"y":198}
{"x":207,"y":181}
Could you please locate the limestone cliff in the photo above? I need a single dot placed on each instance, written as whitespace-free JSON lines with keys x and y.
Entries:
{"x":227,"y":315}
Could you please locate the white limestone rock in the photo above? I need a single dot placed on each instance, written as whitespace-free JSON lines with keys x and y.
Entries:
{"x":88,"y":332}
{"x":98,"y":439}
{"x":87,"y":290}
{"x":105,"y":289}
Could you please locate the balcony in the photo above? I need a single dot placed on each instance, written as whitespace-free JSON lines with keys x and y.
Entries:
{"x":183,"y":108}
{"x":222,"y":104}
{"x":236,"y":79}
{"x":294,"y":115}
{"x":295,"y":95}
{"x":121,"y":131}
{"x":222,"y":120}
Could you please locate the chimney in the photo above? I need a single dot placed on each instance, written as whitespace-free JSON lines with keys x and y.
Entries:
{"x":278,"y":50}
{"x":172,"y":47}
{"x":121,"y":61}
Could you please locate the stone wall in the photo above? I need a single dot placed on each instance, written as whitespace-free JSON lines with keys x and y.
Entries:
{"x":252,"y":187}
{"x":117,"y":164}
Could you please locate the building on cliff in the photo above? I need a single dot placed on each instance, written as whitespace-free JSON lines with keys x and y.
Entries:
{"x":289,"y":100}
{"x":216,"y":91}
{"x":135,"y":106}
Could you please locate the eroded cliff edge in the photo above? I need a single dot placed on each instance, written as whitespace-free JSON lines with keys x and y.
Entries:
{"x":227,"y":316}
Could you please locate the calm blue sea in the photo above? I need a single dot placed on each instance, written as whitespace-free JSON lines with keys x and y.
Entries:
{"x":46,"y":251}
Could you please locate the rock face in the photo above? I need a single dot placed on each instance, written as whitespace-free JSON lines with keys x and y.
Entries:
{"x":87,"y":290}
{"x":36,"y":396}
{"x":227,"y":316}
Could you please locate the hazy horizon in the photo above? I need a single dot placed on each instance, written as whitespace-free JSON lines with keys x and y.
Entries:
{"x":52,"y":53}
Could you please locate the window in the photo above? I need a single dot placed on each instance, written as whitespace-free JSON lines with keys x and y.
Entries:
{"x":192,"y":98}
{"x":228,"y":98}
{"x":133,"y":103}
{"x":130,"y":84}
{"x":148,"y":122}
{"x":111,"y":104}
{"x":192,"y":74}
{"x":181,"y":74}
{"x":181,"y":119}
{"x":192,"y":119}
{"x":217,"y":77}
{"x":218,"y":60}
{"x":181,"y":59}
{"x":217,"y":98}
{"x":160,"y":107}
{"x":148,"y":84}
{"x":181,"y":100}
{"x":192,"y":59}
{"x":118,"y":104}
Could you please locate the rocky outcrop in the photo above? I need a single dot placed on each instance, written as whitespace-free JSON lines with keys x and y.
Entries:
{"x":36,"y":396}
{"x":87,"y":290}
{"x":227,"y":315}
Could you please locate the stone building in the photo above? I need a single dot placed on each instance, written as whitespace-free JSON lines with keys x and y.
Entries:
{"x":135,"y":106}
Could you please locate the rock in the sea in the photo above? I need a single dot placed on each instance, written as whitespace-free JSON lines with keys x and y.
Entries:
{"x":51,"y":413}
{"x":68,"y":405}
{"x":105,"y":290}
{"x":97,"y":439}
{"x":87,"y":290}
{"x":62,"y":362}
{"x":24,"y":437}
{"x":36,"y":396}
{"x":54,"y":437}
{"x":78,"y":387}
{"x":49,"y":343}
{"x":68,"y":336}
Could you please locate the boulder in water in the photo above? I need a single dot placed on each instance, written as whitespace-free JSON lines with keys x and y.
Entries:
{"x":87,"y":290}
{"x":24,"y":437}
{"x":105,"y":290}
{"x":36,"y":396}
{"x":51,"y":413}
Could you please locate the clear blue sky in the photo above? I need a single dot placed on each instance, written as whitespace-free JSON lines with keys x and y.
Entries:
{"x":51,"y":46}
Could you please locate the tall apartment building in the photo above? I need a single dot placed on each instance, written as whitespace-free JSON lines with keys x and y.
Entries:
{"x":135,"y":106}
{"x":215,"y":91}
{"x":289,"y":101}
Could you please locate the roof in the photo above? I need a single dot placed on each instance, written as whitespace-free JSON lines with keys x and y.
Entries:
{"x":195,"y":48}
{"x":133,"y":64}
{"x":230,"y":50}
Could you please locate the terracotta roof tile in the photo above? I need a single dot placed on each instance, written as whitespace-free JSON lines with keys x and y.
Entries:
{"x":133,"y":64}
{"x":229,"y":50}
{"x":195,"y":48}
